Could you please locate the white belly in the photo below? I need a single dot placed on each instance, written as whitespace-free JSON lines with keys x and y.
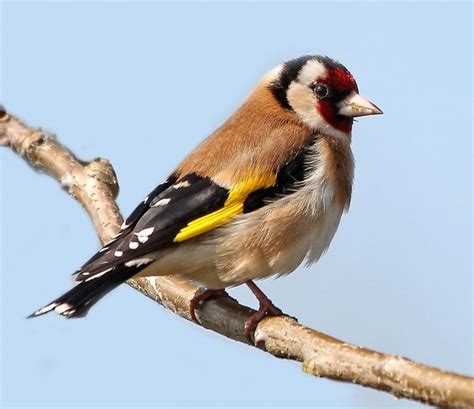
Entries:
{"x":313,"y":242}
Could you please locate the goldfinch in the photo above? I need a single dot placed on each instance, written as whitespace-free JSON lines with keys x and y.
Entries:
{"x":260,"y":195}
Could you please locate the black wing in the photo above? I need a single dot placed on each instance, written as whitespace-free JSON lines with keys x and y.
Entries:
{"x":155,"y":222}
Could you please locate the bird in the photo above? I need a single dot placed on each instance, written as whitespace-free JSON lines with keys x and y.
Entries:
{"x":262,"y":194}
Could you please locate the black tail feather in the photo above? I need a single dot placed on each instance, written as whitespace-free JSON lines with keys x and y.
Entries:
{"x":77,"y":301}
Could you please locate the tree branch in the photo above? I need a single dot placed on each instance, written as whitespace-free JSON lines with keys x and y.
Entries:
{"x":95,"y":186}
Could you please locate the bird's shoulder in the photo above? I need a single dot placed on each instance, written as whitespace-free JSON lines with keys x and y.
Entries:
{"x":259,"y":138}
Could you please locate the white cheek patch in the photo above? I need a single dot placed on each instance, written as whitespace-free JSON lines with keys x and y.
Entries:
{"x":310,"y":72}
{"x":304,"y":103}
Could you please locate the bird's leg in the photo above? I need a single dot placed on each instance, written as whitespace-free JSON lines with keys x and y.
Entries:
{"x":266,"y":307}
{"x":201,"y":296}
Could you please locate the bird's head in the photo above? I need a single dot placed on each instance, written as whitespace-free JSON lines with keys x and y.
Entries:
{"x":322,"y":92}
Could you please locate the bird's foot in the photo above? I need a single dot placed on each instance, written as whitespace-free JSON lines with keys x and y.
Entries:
{"x":200,"y":297}
{"x":266,"y":309}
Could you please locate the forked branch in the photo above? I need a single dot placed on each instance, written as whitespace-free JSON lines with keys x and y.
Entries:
{"x":95,"y":186}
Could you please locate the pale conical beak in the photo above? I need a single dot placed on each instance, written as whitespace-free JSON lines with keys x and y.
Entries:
{"x":355,"y":105}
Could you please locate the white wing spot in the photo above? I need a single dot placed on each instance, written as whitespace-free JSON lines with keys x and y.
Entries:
{"x":181,"y":185}
{"x":146,"y":200}
{"x":103,"y":249}
{"x":138,"y":262}
{"x":99,"y":274}
{"x":146,"y":232}
{"x":142,"y":235}
{"x":62,"y":308}
{"x":68,"y":313}
{"x":133,"y":245}
{"x":123,"y":227}
{"x":47,"y":308}
{"x":118,"y":253}
{"x":162,"y":202}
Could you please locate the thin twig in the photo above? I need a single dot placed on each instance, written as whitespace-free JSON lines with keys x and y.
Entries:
{"x":95,"y":186}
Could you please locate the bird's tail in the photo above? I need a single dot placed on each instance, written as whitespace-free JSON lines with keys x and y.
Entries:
{"x":77,"y":301}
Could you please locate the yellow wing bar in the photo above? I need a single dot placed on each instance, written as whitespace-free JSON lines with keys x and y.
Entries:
{"x":233,"y":206}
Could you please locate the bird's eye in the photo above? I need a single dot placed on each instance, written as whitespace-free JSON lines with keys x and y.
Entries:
{"x":321,"y":91}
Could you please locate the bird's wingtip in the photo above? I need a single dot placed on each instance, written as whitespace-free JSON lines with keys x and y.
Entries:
{"x":44,"y":310}
{"x":65,"y":309}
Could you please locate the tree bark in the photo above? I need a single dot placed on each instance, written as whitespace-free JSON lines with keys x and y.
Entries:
{"x":94,"y":185}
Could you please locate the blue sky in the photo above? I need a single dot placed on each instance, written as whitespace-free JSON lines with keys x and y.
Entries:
{"x":141,"y":84}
